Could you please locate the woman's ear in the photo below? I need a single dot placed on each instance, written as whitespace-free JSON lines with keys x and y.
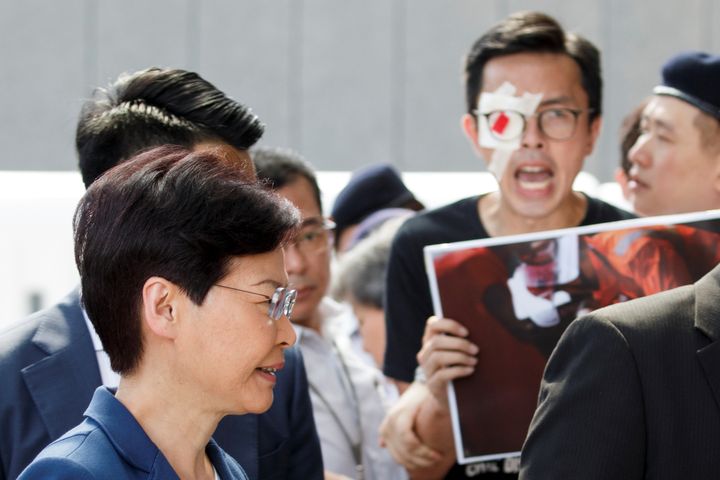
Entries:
{"x":159,"y":308}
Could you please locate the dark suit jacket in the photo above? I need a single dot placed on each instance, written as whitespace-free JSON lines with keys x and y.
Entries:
{"x":48,"y":372}
{"x":632,"y":391}
{"x":110,"y":443}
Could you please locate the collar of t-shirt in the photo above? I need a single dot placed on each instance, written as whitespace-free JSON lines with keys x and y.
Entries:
{"x":110,"y":378}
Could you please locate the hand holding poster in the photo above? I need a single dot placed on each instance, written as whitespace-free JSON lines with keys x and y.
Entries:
{"x":516,"y":295}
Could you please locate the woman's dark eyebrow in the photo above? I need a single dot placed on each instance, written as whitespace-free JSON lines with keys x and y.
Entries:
{"x":269,"y":281}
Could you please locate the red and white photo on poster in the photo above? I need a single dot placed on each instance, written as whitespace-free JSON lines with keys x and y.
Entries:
{"x":517,"y":294}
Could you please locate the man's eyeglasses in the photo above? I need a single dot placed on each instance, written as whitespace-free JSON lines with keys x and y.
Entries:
{"x":281,"y":303}
{"x":314,"y":237}
{"x":554,"y":123}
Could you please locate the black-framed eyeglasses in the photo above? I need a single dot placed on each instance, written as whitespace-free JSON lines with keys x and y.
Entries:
{"x":314,"y":236}
{"x":281,"y":303}
{"x":554,"y":123}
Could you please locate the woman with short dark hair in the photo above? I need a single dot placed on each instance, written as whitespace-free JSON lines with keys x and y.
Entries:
{"x":182,"y":274}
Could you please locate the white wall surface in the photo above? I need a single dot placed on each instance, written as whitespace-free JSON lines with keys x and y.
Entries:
{"x":37,"y":266}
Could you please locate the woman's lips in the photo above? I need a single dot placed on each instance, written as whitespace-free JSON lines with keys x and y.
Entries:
{"x":269,"y":372}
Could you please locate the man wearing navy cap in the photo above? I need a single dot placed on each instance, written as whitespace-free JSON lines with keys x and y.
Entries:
{"x":632,"y":391}
{"x":676,"y":160}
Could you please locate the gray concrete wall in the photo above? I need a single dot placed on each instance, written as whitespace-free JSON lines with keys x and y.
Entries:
{"x":345,"y":82}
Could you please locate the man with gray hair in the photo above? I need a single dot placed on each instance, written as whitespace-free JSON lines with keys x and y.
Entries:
{"x":360,"y":279}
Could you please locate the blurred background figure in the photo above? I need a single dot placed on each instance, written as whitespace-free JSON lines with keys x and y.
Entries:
{"x":371,"y":188}
{"x":629,"y":133}
{"x":360,"y":280}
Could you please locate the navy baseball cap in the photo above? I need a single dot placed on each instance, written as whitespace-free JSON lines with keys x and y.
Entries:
{"x":693,"y":77}
{"x":370,"y":189}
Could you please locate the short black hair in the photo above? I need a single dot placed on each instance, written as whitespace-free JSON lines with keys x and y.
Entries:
{"x":154,"y":107}
{"x":277,"y":167}
{"x":533,"y":32}
{"x":173,"y":213}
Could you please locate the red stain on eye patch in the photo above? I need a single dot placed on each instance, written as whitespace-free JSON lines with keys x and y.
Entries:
{"x":501,"y":123}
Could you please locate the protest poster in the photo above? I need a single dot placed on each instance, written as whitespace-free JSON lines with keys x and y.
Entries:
{"x":517,"y":294}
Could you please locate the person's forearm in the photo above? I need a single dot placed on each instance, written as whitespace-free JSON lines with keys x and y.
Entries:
{"x":433,"y":427}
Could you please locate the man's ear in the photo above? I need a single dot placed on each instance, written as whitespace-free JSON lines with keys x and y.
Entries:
{"x":160,"y":306}
{"x":469,"y":126}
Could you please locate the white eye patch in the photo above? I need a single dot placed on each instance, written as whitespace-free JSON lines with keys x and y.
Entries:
{"x":500,"y":131}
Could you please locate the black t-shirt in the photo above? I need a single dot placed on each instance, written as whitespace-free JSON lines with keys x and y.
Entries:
{"x":409,"y":302}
